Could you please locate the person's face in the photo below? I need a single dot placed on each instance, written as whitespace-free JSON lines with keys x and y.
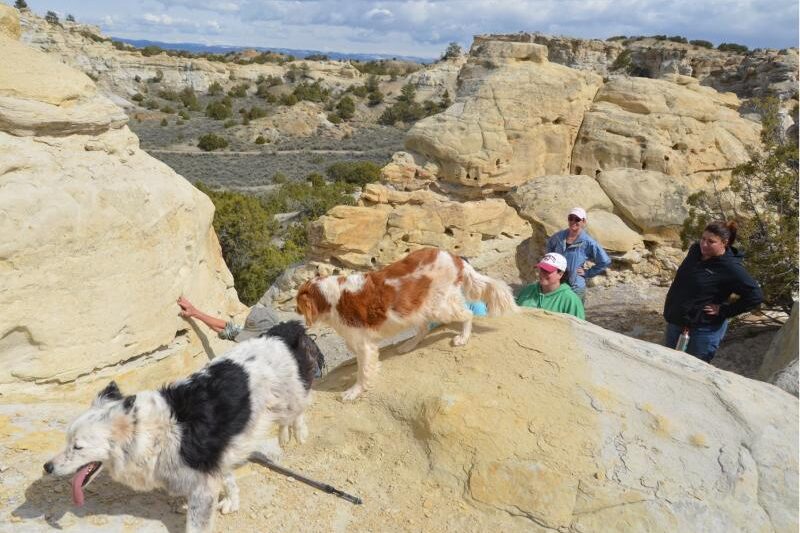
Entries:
{"x":712,"y":245}
{"x":549,"y":281}
{"x":574,"y":223}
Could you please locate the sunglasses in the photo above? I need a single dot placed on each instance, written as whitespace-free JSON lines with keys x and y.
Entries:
{"x":573,"y":219}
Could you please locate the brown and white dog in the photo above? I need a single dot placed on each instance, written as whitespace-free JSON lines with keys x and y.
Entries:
{"x":428,"y":285}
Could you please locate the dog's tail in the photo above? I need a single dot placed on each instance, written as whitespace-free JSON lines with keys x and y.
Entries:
{"x":496,"y":294}
{"x":310,"y":358}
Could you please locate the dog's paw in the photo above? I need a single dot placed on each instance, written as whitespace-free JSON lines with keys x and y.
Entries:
{"x":352,"y":393}
{"x":228,"y":505}
{"x":301,"y":434}
{"x":283,"y":436}
{"x":460,"y":340}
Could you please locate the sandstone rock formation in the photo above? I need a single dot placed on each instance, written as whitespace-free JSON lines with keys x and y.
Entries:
{"x":654,"y":203}
{"x":121,"y":72}
{"x":756,"y":73}
{"x":678,"y":128}
{"x":515,"y":117}
{"x":393,"y":223}
{"x":99,"y":240}
{"x":541,"y":423}
{"x":780,"y":362}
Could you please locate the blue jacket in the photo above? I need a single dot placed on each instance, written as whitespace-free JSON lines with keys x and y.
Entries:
{"x":583,"y":249}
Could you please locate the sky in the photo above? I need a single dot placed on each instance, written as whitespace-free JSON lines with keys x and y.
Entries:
{"x":423,"y":28}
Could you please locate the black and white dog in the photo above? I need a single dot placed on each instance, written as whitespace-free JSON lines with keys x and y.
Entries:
{"x":189,"y":436}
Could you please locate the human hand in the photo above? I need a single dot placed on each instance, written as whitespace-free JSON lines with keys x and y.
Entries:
{"x":711,"y":309}
{"x":580,"y":271}
{"x":187,"y":309}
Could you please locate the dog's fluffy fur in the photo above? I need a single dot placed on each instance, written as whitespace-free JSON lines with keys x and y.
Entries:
{"x":428,"y":285}
{"x":189,"y":436}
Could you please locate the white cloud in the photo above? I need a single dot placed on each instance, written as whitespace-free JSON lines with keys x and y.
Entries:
{"x":425,"y":27}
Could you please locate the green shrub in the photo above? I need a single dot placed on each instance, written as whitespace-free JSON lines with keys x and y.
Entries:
{"x":164,"y":122}
{"x":211,"y":141}
{"x":732,"y":47}
{"x":358,"y":90}
{"x":678,"y":39}
{"x":346,"y":108}
{"x":246,"y":228}
{"x":239,"y":91}
{"x":453,"y":51}
{"x":151,"y":50}
{"x":617,"y":38}
{"x":375,"y":98}
{"x":151,"y":104}
{"x":184,"y":114}
{"x":215,"y":89}
{"x":138,"y":97}
{"x":280,"y":178}
{"x":354,"y":172}
{"x":256,"y":112}
{"x":169,"y":94}
{"x":763,"y":198}
{"x":701,"y":43}
{"x":312,"y":92}
{"x":289,"y":99}
{"x":260,"y":140}
{"x":167,"y":109}
{"x":189,"y":99}
{"x":51,"y":17}
{"x":218,"y":110}
{"x":229,"y":123}
{"x":333,"y":118}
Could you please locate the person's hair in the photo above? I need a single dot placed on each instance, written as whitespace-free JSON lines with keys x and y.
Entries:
{"x":565,"y":277}
{"x":724,"y":230}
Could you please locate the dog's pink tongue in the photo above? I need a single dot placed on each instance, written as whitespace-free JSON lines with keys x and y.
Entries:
{"x":77,"y":485}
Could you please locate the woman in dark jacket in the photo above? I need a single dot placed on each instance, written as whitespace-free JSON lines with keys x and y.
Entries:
{"x":699,"y":297}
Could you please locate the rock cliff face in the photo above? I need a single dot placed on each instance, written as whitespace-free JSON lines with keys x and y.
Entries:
{"x":390,"y":224}
{"x":100,"y":239}
{"x":516,"y":116}
{"x":752,"y":74}
{"x":121,"y":72}
{"x":541,"y":423}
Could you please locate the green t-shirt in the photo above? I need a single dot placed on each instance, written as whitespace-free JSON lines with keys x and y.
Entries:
{"x":561,"y":300}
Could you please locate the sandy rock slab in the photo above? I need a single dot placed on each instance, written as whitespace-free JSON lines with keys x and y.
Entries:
{"x":541,"y":422}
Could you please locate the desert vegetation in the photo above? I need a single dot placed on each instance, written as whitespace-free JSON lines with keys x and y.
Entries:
{"x":255,"y":246}
{"x":763,"y":199}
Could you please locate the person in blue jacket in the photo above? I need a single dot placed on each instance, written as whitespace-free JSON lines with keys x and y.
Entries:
{"x":578,"y":247}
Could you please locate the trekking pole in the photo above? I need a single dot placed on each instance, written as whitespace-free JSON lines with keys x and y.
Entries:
{"x":260,"y":458}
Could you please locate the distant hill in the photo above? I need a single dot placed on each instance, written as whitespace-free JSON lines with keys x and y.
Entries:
{"x":223,"y":49}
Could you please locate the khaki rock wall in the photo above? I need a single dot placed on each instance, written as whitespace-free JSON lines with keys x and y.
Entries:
{"x":100,"y":239}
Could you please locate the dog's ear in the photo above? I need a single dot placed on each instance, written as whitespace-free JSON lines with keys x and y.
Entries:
{"x":307,"y":307}
{"x":128,"y":403}
{"x":110,"y":393}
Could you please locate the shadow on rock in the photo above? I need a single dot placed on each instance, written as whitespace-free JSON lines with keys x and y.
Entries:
{"x":343,"y":376}
{"x":49,"y":498}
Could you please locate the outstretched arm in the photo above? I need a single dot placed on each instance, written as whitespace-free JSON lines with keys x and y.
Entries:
{"x":190,"y":311}
{"x":600,"y":259}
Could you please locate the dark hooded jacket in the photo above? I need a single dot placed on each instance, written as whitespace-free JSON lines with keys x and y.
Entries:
{"x":699,"y":283}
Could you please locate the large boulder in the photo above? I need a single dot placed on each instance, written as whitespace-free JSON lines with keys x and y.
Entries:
{"x":393,"y":223}
{"x":515,"y":117}
{"x":780,"y":362}
{"x":542,"y":422}
{"x":546,"y":201}
{"x":652,"y":201}
{"x":99,"y":240}
{"x":676,"y":127}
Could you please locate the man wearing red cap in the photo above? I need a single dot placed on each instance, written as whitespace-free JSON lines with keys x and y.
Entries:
{"x":552,"y":292}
